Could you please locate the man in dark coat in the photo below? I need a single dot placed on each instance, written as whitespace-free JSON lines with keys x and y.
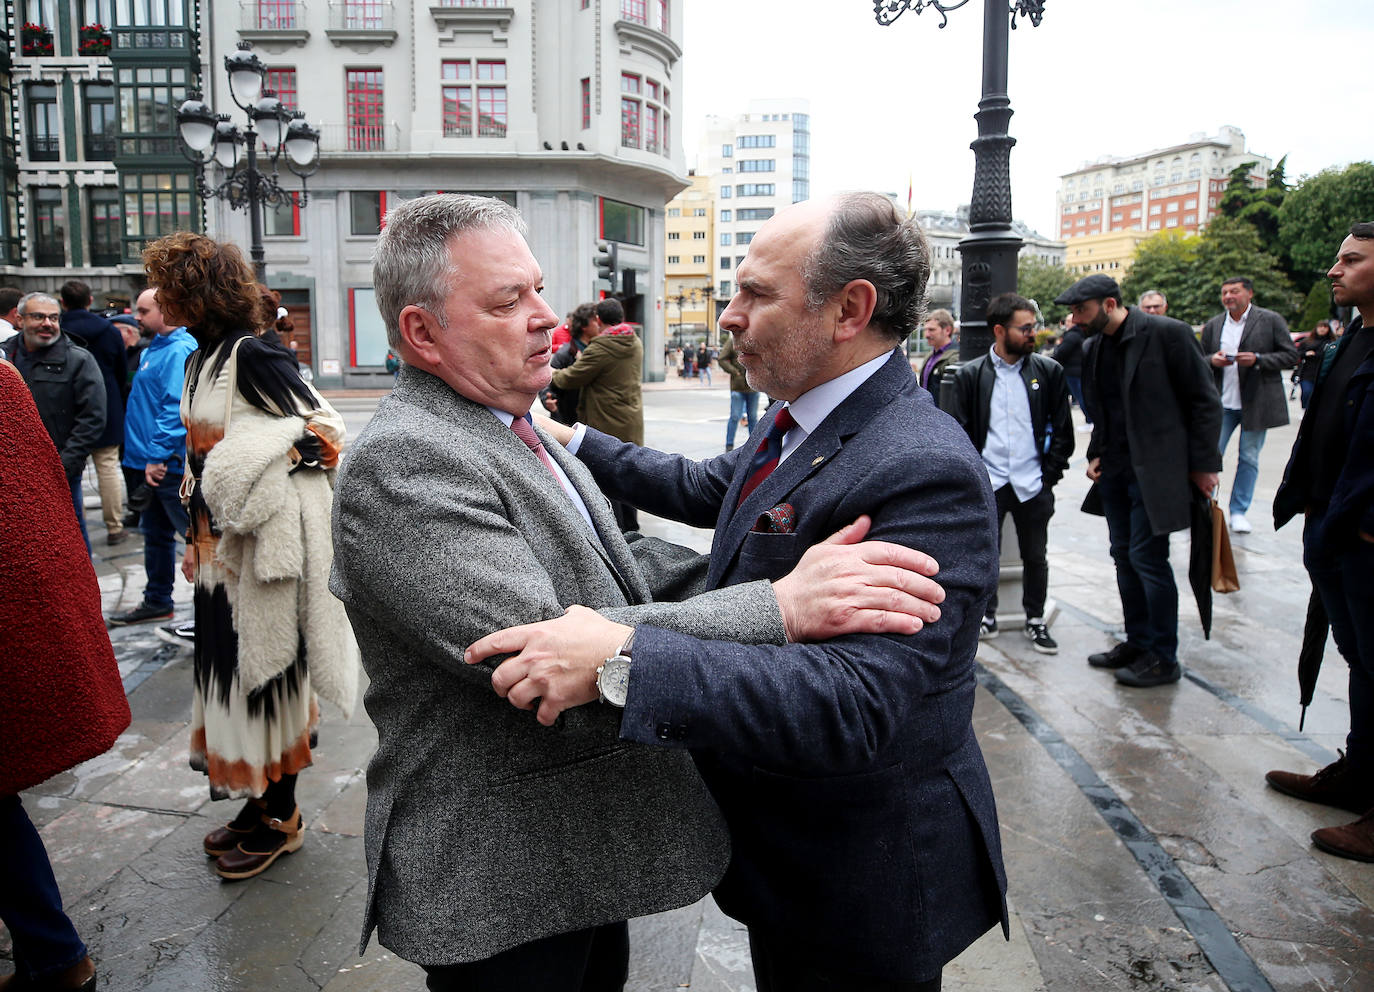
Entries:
{"x":1330,"y":479}
{"x":583,"y":326}
{"x":103,"y":340}
{"x":939,"y":333}
{"x":1156,"y":417}
{"x":865,"y":846}
{"x":1014,"y":406}
{"x":1248,"y":348}
{"x":67,"y":388}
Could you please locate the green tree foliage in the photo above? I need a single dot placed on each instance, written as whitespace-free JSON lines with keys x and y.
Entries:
{"x":1042,"y":281}
{"x":1233,"y":248}
{"x":1168,"y":262}
{"x":1188,"y":270}
{"x":1316,"y":216}
{"x":1317,"y":307}
{"x":1257,"y":207}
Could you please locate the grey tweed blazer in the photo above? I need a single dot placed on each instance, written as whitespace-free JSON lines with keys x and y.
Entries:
{"x":484,"y":829}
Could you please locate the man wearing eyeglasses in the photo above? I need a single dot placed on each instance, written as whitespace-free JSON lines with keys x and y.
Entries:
{"x":1014,"y":406}
{"x":67,"y":385}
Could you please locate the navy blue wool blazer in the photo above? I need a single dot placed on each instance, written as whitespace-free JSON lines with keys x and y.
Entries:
{"x":861,"y":815}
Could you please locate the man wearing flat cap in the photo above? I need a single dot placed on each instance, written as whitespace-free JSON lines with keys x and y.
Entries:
{"x":1156,"y":419}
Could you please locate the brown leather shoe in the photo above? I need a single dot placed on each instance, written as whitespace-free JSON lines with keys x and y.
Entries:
{"x":224,"y":839}
{"x":1333,"y":785}
{"x":80,"y":977}
{"x":1353,"y":840}
{"x":256,"y":854}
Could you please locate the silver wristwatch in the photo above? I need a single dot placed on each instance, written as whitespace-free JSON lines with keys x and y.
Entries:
{"x":613,"y":675}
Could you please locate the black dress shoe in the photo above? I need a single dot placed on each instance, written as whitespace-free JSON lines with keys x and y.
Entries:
{"x":1148,"y":671}
{"x":1123,"y":654}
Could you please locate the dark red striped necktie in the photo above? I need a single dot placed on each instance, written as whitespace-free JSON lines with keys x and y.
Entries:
{"x":766,"y":458}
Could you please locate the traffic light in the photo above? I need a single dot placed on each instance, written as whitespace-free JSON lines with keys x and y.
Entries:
{"x":606,"y":262}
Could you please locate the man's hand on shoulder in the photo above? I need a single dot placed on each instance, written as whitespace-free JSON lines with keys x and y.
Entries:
{"x":553,"y":663}
{"x":842,"y":586}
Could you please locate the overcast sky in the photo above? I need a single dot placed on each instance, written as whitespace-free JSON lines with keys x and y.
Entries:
{"x":1098,"y":77}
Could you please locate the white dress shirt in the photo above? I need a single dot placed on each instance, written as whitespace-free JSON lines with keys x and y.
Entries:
{"x":563,"y":479}
{"x":1230,"y":374}
{"x":1009,"y":453}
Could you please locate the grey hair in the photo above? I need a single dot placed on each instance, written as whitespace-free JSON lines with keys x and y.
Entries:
{"x":867,"y":239}
{"x":411,"y":264}
{"x":1151,"y":292}
{"x":24,"y":300}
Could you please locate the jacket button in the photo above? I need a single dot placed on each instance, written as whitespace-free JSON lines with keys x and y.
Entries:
{"x":680,"y":732}
{"x":664,"y":731}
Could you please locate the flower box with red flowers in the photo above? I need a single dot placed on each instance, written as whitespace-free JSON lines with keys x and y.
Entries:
{"x":94,"y":40}
{"x":35,"y":39}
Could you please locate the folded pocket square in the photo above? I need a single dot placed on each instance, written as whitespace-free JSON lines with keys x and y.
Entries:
{"x":781,"y":519}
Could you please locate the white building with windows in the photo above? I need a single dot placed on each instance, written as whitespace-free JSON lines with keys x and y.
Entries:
{"x":1175,"y":188}
{"x":565,"y":108}
{"x":758,"y":162}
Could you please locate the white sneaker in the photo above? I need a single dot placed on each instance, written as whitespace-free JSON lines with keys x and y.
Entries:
{"x":1239,"y":524}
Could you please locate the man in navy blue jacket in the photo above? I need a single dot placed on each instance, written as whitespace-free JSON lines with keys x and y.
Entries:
{"x":103,"y":340}
{"x":1330,"y":479}
{"x":865,"y":844}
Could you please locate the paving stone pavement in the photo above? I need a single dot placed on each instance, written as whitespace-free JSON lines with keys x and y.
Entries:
{"x":1179,"y":769}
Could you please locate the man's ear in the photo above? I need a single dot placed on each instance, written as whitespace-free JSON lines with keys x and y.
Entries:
{"x":419,"y":336}
{"x":856,"y":302}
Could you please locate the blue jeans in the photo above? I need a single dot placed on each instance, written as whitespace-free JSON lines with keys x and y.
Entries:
{"x":1144,"y":577}
{"x":1305,"y":387}
{"x":741,"y":405}
{"x":79,"y":504}
{"x":1075,"y":383}
{"x":1345,"y":582}
{"x":161,"y":522}
{"x":45,"y":942}
{"x":1247,"y":470}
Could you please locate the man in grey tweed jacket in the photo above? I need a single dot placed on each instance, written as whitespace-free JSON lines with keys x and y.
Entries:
{"x":502,"y":853}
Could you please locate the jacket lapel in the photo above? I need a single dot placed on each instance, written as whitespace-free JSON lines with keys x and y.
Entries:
{"x":820,"y":446}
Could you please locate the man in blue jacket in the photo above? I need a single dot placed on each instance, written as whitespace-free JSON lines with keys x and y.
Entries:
{"x":155,"y":444}
{"x":100,"y":337}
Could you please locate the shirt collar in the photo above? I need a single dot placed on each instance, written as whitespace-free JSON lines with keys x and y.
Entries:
{"x":814,"y":405}
{"x":1241,"y":318}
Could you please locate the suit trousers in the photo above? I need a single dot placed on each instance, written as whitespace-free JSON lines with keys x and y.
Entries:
{"x":593,"y":960}
{"x":1032,"y":520}
{"x":1345,"y":582}
{"x":111,"y":481}
{"x":779,"y":968}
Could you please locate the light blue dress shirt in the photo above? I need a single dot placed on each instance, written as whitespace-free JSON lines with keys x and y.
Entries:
{"x":1009,"y":453}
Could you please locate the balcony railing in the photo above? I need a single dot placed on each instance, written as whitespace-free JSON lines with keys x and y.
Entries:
{"x":100,"y":147}
{"x":44,"y":147}
{"x":357,"y":138}
{"x":362,"y":15}
{"x":272,"y":15}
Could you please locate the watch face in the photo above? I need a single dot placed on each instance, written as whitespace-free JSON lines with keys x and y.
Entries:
{"x":614,"y":681}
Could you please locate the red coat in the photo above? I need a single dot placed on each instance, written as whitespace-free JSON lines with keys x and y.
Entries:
{"x":61,"y":698}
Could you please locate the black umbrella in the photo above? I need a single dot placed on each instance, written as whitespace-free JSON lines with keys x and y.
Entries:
{"x":1310,"y":656}
{"x":1200,"y":556}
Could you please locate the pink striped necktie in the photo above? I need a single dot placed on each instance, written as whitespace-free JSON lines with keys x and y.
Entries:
{"x":770,"y":450}
{"x":524,"y":430}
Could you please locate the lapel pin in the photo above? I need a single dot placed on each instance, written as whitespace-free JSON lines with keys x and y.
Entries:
{"x":817,"y":460}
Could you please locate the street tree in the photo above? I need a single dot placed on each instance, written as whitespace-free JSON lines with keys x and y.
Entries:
{"x":1317,"y":215}
{"x":1168,"y":262}
{"x":1231,"y":247}
{"x":1317,"y":307}
{"x":1042,"y":281}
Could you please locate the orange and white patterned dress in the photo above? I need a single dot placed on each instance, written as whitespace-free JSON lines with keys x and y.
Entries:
{"x":242,"y":740}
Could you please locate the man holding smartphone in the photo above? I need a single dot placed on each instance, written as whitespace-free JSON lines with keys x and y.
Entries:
{"x":1248,"y":348}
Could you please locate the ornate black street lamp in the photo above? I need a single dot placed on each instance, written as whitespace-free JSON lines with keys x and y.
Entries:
{"x":990,"y":249}
{"x":247,"y":188}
